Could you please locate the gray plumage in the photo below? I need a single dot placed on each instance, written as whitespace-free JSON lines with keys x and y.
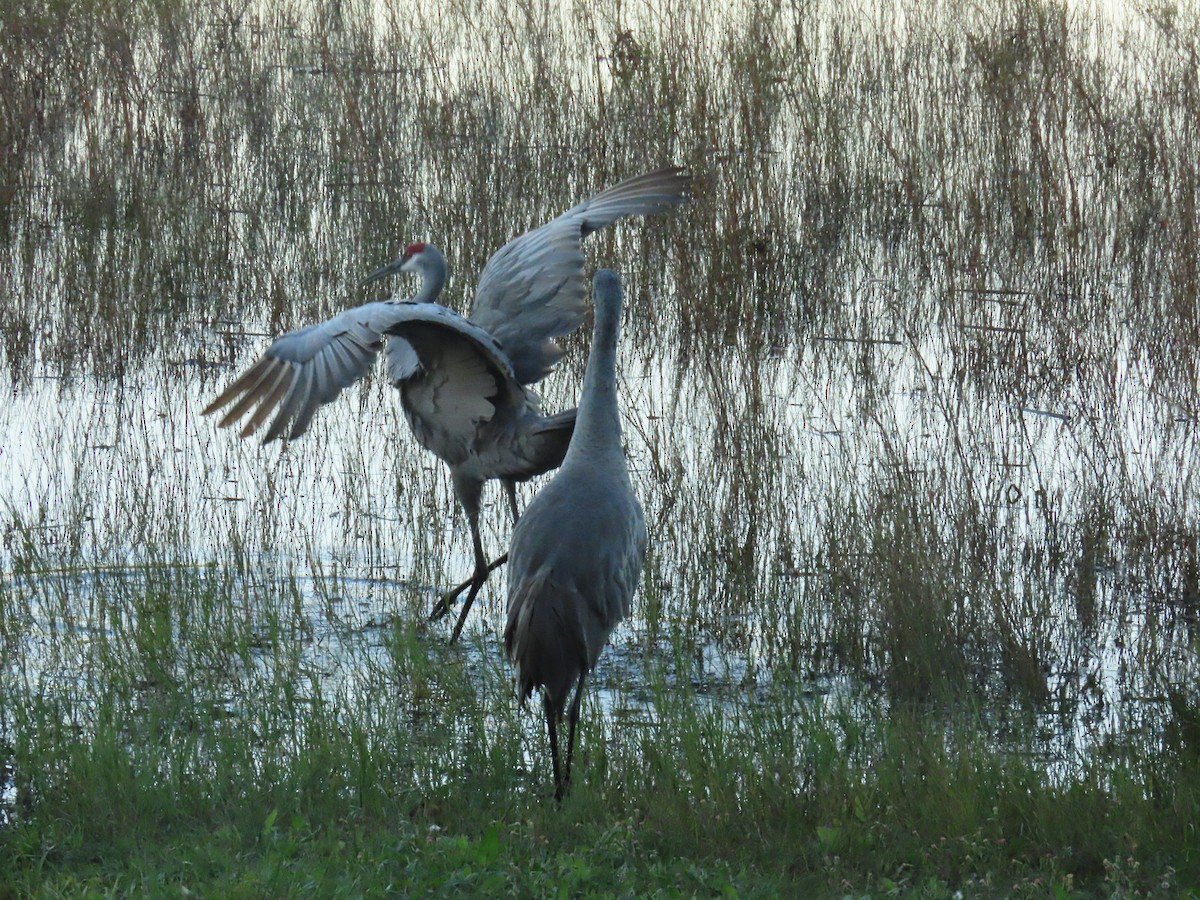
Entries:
{"x":576,"y":553}
{"x":463,"y":383}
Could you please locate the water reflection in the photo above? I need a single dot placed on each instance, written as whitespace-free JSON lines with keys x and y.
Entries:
{"x":748,"y":474}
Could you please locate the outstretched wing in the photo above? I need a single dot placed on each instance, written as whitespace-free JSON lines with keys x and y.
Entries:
{"x":533,"y":290}
{"x":308,"y":367}
{"x":458,"y":386}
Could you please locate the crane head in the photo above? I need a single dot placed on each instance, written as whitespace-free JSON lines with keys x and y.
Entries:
{"x":420,"y":257}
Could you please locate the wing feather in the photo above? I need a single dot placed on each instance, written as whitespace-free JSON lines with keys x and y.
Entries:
{"x":311,"y":400}
{"x":466,"y":369}
{"x":282,"y":385}
{"x":342,"y":366}
{"x":458,"y":389}
{"x":402,"y":360}
{"x":300,"y":385}
{"x":246,"y":382}
{"x":261,"y":376}
{"x":533,"y":288}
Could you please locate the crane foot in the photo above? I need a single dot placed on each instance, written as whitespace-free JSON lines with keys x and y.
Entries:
{"x":441,"y":609}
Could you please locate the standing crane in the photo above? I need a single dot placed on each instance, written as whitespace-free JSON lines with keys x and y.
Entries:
{"x":463,"y":382}
{"x":576,"y":553}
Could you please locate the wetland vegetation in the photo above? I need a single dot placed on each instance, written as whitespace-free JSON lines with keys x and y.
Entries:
{"x":910,"y":395}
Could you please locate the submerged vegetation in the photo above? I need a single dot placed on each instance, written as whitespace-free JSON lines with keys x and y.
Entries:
{"x":910,"y":394}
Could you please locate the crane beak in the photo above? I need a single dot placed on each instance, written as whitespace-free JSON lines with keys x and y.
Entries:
{"x":390,"y":269}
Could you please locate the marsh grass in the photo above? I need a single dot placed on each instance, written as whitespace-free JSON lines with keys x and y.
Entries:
{"x":910,"y":397}
{"x":299,"y":789}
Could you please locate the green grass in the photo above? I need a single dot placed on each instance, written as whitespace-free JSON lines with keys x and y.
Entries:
{"x":298,"y":791}
{"x":188,"y":747}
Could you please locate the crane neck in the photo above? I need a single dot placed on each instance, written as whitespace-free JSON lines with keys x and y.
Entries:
{"x":433,"y":275}
{"x":598,"y":423}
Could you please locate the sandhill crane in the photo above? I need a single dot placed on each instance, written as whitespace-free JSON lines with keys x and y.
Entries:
{"x":576,"y":553}
{"x":462,"y":382}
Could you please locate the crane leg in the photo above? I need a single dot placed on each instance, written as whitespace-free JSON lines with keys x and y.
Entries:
{"x":477,"y":579}
{"x":572,"y":719}
{"x":469,"y":490}
{"x":552,"y":731}
{"x":510,"y":488}
{"x":462,"y":616}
